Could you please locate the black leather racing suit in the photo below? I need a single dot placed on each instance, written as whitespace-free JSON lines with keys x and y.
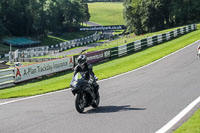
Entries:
{"x":88,"y":74}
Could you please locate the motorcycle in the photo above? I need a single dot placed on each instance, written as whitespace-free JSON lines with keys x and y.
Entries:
{"x":198,"y":52}
{"x":82,"y":90}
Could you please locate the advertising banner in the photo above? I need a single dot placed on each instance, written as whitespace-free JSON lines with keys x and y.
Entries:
{"x":176,"y":32}
{"x":36,"y":70}
{"x":122,"y":50}
{"x":94,"y":57}
{"x":107,"y":54}
{"x":102,"y":28}
{"x":149,"y":41}
{"x":137,"y":45}
{"x":187,"y":29}
{"x":190,"y":27}
{"x":159,"y":38}
{"x":168,"y":36}
{"x":182,"y":30}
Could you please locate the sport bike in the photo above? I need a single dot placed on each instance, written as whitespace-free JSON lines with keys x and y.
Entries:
{"x":82,"y":90}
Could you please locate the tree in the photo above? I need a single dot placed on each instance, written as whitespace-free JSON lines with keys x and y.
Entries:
{"x":152,"y":15}
{"x":132,"y":17}
{"x":86,"y":14}
{"x":38,"y":17}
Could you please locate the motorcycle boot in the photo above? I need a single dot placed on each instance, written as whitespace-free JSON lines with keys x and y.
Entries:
{"x":90,"y":90}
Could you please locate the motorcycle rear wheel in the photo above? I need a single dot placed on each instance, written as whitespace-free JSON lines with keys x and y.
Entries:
{"x":79,"y":103}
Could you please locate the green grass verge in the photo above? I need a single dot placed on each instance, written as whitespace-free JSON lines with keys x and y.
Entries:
{"x":192,"y":125}
{"x":104,"y":70}
{"x":106,"y":13}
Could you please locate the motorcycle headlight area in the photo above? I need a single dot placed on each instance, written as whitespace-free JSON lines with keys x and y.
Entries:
{"x":74,"y":83}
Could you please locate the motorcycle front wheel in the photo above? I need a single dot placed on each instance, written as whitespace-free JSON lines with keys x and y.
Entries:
{"x":79,"y":103}
{"x":97,"y":100}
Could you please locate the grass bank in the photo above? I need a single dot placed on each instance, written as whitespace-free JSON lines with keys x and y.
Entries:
{"x":104,"y":70}
{"x":192,"y":125}
{"x":106,"y":13}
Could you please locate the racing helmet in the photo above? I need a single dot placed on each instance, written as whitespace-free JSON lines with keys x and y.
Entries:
{"x":81,"y":60}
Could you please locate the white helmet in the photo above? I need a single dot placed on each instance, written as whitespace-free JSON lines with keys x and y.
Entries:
{"x":82,"y":60}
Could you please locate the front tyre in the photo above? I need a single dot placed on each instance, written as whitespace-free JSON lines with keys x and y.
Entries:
{"x":95,"y":104}
{"x":79,"y":103}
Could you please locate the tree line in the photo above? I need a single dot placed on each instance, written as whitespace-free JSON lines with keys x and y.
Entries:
{"x":38,"y":17}
{"x":143,"y":16}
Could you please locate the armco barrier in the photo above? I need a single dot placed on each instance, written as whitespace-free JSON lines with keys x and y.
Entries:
{"x":135,"y":46}
{"x":44,"y":50}
{"x":114,"y":52}
{"x":151,"y":41}
{"x":130,"y":48}
{"x":7,"y":78}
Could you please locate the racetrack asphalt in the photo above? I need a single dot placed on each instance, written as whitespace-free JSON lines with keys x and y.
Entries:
{"x":80,"y":49}
{"x":141,"y":101}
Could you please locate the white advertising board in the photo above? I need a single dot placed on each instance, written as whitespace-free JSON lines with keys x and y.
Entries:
{"x":36,"y":70}
{"x":175,"y":33}
{"x":168,"y":36}
{"x":159,"y":38}
{"x":137,"y":45}
{"x":122,"y":50}
{"x":149,"y":41}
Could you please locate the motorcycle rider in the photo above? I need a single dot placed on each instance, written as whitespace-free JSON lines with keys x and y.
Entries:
{"x":85,"y":69}
{"x":198,"y":51}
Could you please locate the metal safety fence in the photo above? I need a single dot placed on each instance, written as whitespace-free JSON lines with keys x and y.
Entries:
{"x":7,"y":78}
{"x":10,"y":76}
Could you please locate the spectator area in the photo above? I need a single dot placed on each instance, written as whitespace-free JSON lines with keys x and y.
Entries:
{"x":21,"y":42}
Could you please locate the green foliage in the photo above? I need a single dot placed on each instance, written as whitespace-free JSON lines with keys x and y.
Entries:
{"x":3,"y":30}
{"x":143,"y":16}
{"x":38,"y":17}
{"x":131,"y":15}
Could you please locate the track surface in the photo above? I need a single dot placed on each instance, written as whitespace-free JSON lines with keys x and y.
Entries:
{"x":138,"y":102}
{"x":79,"y":50}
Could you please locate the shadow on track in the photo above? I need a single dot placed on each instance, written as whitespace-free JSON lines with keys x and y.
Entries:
{"x":111,"y":109}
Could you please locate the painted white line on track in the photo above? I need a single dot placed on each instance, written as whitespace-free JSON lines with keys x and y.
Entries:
{"x":177,"y":118}
{"x":31,"y":97}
